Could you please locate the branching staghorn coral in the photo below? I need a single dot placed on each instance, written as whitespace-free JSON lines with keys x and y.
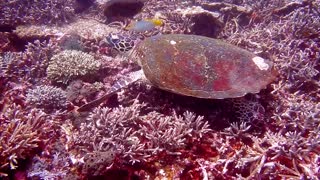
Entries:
{"x":134,"y":137}
{"x":292,"y":152}
{"x":21,"y":133}
{"x":38,"y":54}
{"x":297,"y":112}
{"x":30,"y":64}
{"x":35,"y":12}
{"x":272,"y":156}
{"x":11,"y":65}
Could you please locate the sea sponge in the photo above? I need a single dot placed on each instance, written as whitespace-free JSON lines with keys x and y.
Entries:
{"x":71,"y":64}
{"x":47,"y":97}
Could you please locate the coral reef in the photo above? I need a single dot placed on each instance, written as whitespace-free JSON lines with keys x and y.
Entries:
{"x":141,"y":132}
{"x":71,"y":64}
{"x":47,"y":97}
{"x":22,"y":133}
{"x":35,"y":12}
{"x":31,"y":64}
{"x":134,"y":137}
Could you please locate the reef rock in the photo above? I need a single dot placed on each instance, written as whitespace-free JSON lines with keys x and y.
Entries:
{"x":203,"y":22}
{"x":86,"y":28}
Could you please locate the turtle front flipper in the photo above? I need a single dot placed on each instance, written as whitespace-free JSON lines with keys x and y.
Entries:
{"x":121,"y":83}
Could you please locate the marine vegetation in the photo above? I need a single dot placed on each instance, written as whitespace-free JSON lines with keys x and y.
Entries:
{"x":73,"y":105}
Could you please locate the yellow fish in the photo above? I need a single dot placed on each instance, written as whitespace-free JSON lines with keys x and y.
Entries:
{"x":144,"y":25}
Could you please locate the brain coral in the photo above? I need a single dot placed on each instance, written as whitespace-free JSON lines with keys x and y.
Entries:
{"x":47,"y":97}
{"x":71,"y":64}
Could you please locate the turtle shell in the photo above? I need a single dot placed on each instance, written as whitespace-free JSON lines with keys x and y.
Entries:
{"x":202,"y":67}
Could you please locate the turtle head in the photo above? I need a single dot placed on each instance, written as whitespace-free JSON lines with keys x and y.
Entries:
{"x":119,"y":42}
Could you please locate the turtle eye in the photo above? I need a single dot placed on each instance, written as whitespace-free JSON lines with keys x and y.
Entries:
{"x":113,"y":39}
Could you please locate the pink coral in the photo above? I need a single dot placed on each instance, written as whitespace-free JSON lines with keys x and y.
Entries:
{"x":22,"y":133}
{"x":24,"y":12}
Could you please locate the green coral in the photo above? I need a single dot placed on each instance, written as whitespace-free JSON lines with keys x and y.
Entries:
{"x":71,"y":64}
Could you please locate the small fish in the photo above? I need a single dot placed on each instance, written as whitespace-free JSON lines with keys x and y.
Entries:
{"x":144,"y":25}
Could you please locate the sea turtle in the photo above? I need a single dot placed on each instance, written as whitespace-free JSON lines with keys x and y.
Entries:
{"x":199,"y":66}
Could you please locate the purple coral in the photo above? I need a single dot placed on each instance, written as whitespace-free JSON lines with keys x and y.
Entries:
{"x":275,"y":137}
{"x":35,"y":12}
{"x":21,"y":133}
{"x":30,"y":64}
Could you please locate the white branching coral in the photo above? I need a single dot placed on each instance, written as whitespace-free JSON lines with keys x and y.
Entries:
{"x":47,"y":97}
{"x":36,"y":12}
{"x":11,"y":66}
{"x":134,"y":136}
{"x":71,"y":64}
